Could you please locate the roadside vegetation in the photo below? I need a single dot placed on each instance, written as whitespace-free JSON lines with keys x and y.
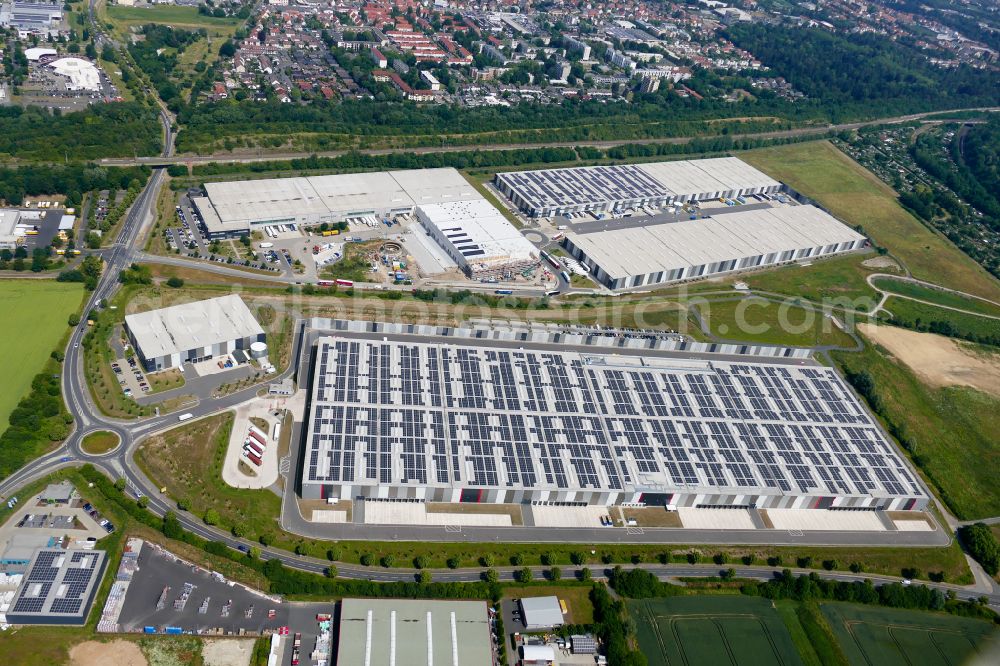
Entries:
{"x":929,"y":318}
{"x":100,"y":442}
{"x":937,"y":296}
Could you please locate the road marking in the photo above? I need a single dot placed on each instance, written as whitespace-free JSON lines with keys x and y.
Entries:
{"x":795,"y":533}
{"x":634,"y":531}
{"x":453,"y":529}
{"x":284,"y":465}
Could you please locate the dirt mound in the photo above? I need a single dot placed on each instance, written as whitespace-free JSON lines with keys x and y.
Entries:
{"x":940,"y":361}
{"x":119,"y":653}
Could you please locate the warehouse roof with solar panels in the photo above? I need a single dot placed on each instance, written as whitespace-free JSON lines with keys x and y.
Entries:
{"x":443,"y":420}
{"x":58,"y":588}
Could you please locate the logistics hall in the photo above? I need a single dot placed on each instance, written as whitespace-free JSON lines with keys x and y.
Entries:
{"x":731,"y":239}
{"x":611,"y":189}
{"x":235,"y":208}
{"x":428,"y":418}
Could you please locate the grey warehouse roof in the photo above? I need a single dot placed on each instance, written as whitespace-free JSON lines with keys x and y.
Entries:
{"x":380,"y":632}
{"x":181,"y":328}
{"x":728,"y":234}
{"x":237,"y":204}
{"x":541,"y":611}
{"x":474,"y":415}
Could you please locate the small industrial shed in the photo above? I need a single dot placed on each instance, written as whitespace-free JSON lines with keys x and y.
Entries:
{"x":541,"y":612}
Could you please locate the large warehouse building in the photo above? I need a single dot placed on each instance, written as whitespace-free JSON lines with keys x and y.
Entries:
{"x":192,"y":332}
{"x":384,"y":632}
{"x":611,"y":189}
{"x":440,"y":419}
{"x":732,"y":239}
{"x":478,"y":237}
{"x":238,"y":207}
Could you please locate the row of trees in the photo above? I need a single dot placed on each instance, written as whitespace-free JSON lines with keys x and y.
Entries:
{"x":980,"y":542}
{"x":38,"y":420}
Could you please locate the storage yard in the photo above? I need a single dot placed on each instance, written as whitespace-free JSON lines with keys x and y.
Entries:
{"x":424,"y":418}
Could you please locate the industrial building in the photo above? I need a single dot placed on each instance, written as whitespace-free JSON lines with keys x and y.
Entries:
{"x":191,"y":332}
{"x":450,"y":419}
{"x":383,"y":632}
{"x":478,"y":237}
{"x":40,"y":18}
{"x":10,"y":237}
{"x":731,"y":239}
{"x":235,"y":208}
{"x":541,"y":612}
{"x":58,"y":588}
{"x":612,"y":189}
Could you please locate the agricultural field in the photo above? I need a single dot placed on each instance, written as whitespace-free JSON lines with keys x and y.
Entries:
{"x":945,"y":298}
{"x":712,"y":629}
{"x":35,"y":320}
{"x":884,"y":636}
{"x":856,"y":196}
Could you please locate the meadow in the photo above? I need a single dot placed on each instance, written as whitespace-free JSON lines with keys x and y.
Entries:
{"x":35,"y":320}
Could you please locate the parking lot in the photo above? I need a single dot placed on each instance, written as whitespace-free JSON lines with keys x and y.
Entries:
{"x":130,"y":377}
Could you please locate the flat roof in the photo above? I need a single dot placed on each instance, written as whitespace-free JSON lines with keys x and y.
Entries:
{"x":576,"y":186}
{"x":452,"y":414}
{"x":236,"y":204}
{"x":58,"y":587}
{"x":8,"y":222}
{"x":725,"y":235}
{"x":477,"y":231}
{"x":180,"y":328}
{"x":541,"y":611}
{"x":381,"y":632}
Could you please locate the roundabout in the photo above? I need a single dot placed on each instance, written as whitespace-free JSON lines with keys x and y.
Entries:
{"x":100,"y":443}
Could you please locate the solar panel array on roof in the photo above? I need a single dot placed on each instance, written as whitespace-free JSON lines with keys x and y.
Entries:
{"x":58,"y":587}
{"x":414,"y":414}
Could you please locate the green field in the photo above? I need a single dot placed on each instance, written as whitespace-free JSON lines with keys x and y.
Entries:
{"x":857,"y":197}
{"x":839,"y":282}
{"x":760,"y":320}
{"x":886,"y":637}
{"x":100,"y":442}
{"x":178,"y":17}
{"x":710,"y":629}
{"x":930,"y":295}
{"x":35,"y":316}
{"x":963,"y":324}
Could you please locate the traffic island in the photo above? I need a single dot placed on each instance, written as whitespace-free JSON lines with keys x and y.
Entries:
{"x":100,"y":442}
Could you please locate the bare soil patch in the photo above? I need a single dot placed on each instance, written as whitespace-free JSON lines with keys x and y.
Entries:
{"x":229,"y":652}
{"x":119,"y":653}
{"x":938,"y":360}
{"x":652,"y":517}
{"x":881,"y":262}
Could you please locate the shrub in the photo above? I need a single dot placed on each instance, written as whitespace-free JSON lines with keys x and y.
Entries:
{"x":720,"y":558}
{"x":747,"y":559}
{"x":577,"y":558}
{"x":387,"y":561}
{"x":982,"y":545}
{"x":487,"y":561}
{"x":175,"y":282}
{"x":424,"y":577}
{"x":830,"y":565}
{"x":211,"y":517}
{"x":420,"y":562}
{"x":523,"y":575}
{"x":367,"y":559}
{"x":453,"y":562}
{"x":516,"y":560}
{"x":805,"y":562}
{"x":555,"y":573}
{"x":693,"y":558}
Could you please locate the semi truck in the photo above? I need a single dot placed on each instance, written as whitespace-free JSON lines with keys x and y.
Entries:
{"x":254,"y":458}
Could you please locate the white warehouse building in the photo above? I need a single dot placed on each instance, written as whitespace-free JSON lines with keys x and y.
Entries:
{"x":191,"y":332}
{"x":478,"y":237}
{"x":235,"y":208}
{"x":728,"y":241}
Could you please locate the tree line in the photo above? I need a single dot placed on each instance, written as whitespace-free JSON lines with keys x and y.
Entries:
{"x":72,"y":180}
